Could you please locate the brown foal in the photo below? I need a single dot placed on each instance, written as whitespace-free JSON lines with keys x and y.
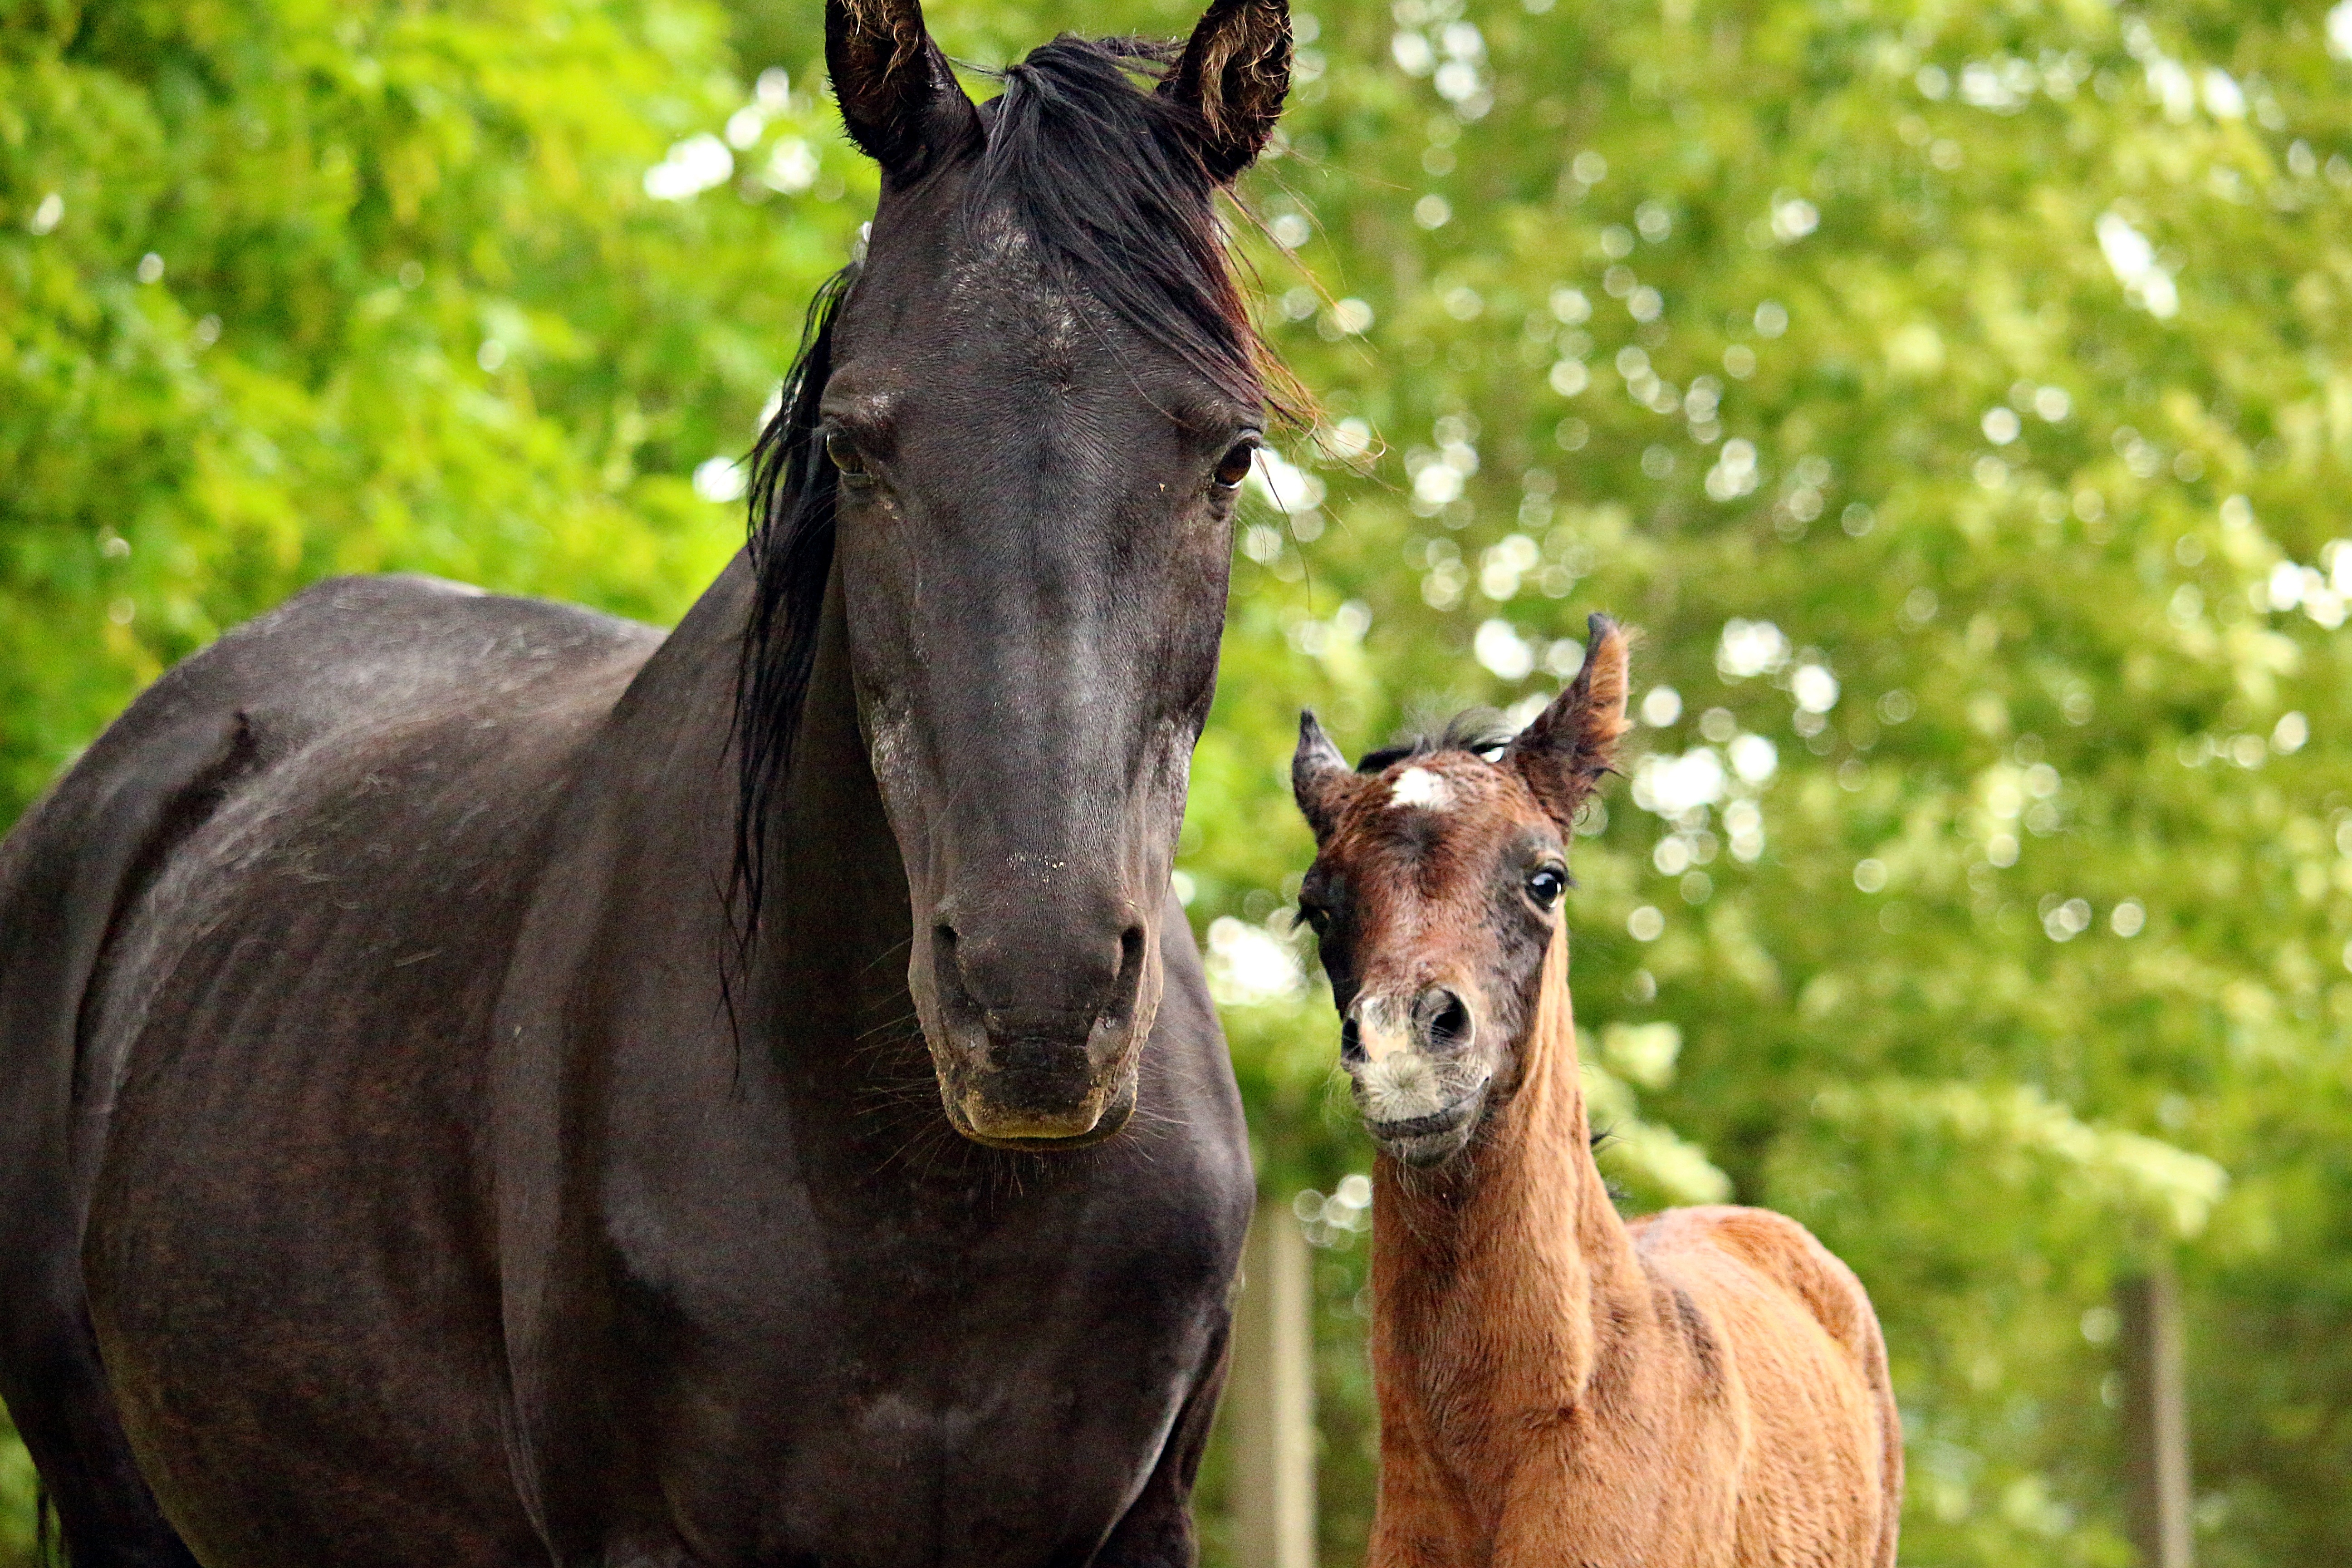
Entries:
{"x":1557,"y":1388}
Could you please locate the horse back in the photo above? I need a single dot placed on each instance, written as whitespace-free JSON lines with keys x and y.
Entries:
{"x":288,"y":722}
{"x":1758,"y":1295}
{"x":192,"y":927}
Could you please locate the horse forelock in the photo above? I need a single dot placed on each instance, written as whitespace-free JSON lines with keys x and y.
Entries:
{"x":1104,"y":176}
{"x":1481,"y":731}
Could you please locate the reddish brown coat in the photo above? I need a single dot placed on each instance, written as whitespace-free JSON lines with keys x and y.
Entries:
{"x":1702,"y":1388}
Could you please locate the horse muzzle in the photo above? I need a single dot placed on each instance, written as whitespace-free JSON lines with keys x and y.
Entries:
{"x":1025,"y":1090}
{"x":1015,"y":1074}
{"x":1433,"y":1139}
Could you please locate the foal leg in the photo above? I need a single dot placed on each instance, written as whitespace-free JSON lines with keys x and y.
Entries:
{"x":1417,"y":1518}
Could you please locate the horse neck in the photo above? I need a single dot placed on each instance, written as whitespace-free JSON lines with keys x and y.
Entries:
{"x":827,"y":969}
{"x":1489,"y":1281}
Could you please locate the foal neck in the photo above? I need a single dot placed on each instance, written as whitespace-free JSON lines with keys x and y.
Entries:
{"x":1490,"y":1274}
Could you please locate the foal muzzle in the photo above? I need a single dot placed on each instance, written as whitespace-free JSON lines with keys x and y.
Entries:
{"x":1417,"y":1081}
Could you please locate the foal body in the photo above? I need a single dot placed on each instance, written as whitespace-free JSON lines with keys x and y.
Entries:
{"x":1706,"y":1386}
{"x":1702,"y":1386}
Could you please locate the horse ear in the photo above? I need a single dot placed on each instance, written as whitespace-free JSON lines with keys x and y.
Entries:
{"x":1563,"y":754}
{"x":1321,"y":778}
{"x":1236,"y":71}
{"x":899,"y":101}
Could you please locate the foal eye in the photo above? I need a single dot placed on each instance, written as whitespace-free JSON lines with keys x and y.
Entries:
{"x":1318,"y":917}
{"x":844,"y":455}
{"x":1234,"y":466}
{"x":1546,"y":885}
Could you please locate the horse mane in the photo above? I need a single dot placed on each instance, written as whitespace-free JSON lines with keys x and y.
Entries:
{"x":1102,"y":176}
{"x":792,"y":490}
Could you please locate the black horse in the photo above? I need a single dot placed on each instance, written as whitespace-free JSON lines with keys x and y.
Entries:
{"x":472,"y":1071}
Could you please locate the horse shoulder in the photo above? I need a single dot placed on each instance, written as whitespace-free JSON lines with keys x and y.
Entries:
{"x":1752,"y":1250}
{"x":1825,"y":1465}
{"x":1625,"y":1489}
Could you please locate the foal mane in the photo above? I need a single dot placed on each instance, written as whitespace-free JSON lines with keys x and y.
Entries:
{"x":1481,"y":731}
{"x":1103,"y":176}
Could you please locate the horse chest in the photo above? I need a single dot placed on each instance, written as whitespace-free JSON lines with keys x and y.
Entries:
{"x":883,"y":1411}
{"x":902,"y":1371}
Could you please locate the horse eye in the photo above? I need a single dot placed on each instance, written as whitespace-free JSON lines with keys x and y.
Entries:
{"x":1318,"y":917}
{"x":844,"y":455}
{"x":1546,"y":885}
{"x":1234,"y":466}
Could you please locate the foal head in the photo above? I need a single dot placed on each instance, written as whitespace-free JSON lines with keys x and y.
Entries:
{"x":1436,"y":895}
{"x":1014,"y":444}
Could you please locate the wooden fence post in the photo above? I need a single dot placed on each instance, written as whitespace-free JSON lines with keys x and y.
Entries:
{"x":1270,"y":1397}
{"x":2155,"y":1418}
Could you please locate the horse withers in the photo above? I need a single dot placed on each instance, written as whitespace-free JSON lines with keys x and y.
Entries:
{"x":483,"y":1082}
{"x":1705,"y":1387}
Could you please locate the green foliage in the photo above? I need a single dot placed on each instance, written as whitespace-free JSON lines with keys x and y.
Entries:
{"x":1941,"y":393}
{"x":1947,"y":395}
{"x":295,"y":289}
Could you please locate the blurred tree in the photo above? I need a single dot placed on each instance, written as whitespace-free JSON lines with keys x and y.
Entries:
{"x":293,"y":288}
{"x":1950,"y":395}
{"x":1946,"y":394}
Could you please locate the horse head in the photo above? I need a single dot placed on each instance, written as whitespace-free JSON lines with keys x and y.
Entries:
{"x":1435,"y":898}
{"x":1016,"y":440}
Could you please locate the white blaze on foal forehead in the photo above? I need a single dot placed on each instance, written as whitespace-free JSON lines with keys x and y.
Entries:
{"x":1419,"y":787}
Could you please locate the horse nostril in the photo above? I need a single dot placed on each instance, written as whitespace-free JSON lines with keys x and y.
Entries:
{"x":1351,"y":1043}
{"x":1450,"y":1029}
{"x":944,"y":959}
{"x":1127,"y":984}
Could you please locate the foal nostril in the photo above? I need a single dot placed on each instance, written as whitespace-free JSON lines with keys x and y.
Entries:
{"x":1449,"y":1026}
{"x":1352,"y":1042}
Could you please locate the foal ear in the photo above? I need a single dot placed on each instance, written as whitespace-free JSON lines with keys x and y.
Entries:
{"x":1320,"y":779}
{"x":1235,"y":72}
{"x":1563,"y":754}
{"x":898,"y":99}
